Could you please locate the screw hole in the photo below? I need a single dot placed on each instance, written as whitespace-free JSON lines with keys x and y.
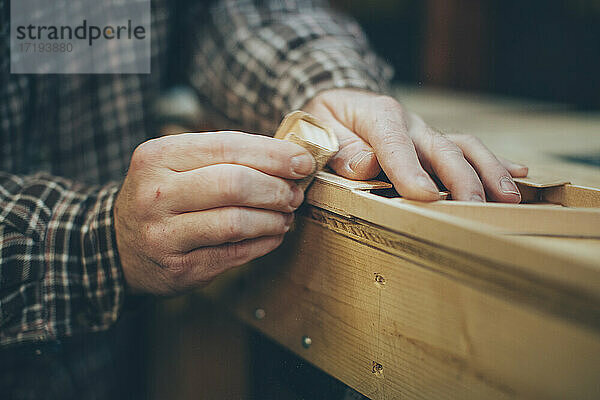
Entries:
{"x":377,"y":368}
{"x":379,"y":279}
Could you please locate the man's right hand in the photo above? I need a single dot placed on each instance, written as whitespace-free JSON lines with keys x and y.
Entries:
{"x":194,"y":205}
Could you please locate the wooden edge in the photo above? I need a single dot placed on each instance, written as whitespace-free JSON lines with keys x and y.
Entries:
{"x":547,"y":220}
{"x":556,"y":191}
{"x":579,"y":272}
{"x":572,"y":196}
{"x":332,"y":179}
{"x":540,"y":182}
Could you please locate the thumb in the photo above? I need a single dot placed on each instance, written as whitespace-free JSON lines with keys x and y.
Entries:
{"x":355,"y":159}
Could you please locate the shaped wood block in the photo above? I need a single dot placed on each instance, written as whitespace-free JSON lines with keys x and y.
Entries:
{"x":306,"y":130}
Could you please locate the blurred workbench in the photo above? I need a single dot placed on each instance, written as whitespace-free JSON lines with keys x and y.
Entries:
{"x":539,"y":135}
{"x":202,"y":353}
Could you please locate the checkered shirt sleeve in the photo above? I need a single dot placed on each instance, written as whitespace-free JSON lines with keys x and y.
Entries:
{"x":250,"y":61}
{"x":58,"y":258}
{"x":259,"y":59}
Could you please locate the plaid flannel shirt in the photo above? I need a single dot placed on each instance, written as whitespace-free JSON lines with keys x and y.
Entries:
{"x":65,"y":141}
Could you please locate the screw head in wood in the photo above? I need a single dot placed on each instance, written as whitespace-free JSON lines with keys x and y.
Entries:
{"x":259,"y":313}
{"x":306,"y":341}
{"x":377,"y":368}
{"x":379,"y":279}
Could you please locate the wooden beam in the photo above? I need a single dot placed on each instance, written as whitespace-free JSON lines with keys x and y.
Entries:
{"x":393,"y":325}
{"x":522,"y":219}
{"x":580,"y":272}
{"x":400,"y":300}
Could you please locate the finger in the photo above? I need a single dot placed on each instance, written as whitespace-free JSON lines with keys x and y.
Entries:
{"x":227,"y":256}
{"x":448,"y":163}
{"x":190,"y":231}
{"x":496,"y":179}
{"x":230,"y":185}
{"x":387,"y":133}
{"x":190,"y":151}
{"x":516,"y":170}
{"x":355,"y":158}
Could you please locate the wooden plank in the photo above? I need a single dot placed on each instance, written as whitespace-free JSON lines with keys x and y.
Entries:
{"x":581,"y":273}
{"x":329,"y":178}
{"x":540,"y":181}
{"x":566,"y":245}
{"x":547,"y":220}
{"x":429,"y":334}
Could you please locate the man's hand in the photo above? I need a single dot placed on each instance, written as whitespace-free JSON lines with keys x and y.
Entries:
{"x":194,"y":205}
{"x":375,"y":132}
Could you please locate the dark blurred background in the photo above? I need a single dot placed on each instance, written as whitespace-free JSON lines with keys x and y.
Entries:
{"x":539,"y":49}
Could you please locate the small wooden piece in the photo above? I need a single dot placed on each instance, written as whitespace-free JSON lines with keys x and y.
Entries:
{"x":572,"y":196}
{"x":540,"y":190}
{"x":306,"y":130}
{"x":331,"y":179}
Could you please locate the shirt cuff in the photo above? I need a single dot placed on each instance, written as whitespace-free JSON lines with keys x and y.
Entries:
{"x":103,"y":281}
{"x":83,"y":287}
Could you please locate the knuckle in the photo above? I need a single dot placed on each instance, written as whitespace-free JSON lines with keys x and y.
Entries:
{"x":282,"y":222}
{"x":231,"y":182}
{"x":142,"y":203}
{"x":176,"y":269}
{"x":471,"y":140}
{"x":232,"y":229}
{"x":392,"y":139}
{"x":237,"y":253}
{"x":147,"y":152}
{"x":282,"y":196}
{"x":278,"y":157}
{"x":350,"y":141}
{"x":387,"y":103}
{"x":152,"y":236}
{"x":442,"y":145}
{"x":146,"y":197}
{"x":219,"y":146}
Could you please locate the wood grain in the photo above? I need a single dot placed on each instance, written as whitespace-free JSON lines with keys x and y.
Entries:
{"x":435,"y":335}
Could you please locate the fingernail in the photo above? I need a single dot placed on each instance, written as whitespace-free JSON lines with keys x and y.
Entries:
{"x":288,"y":221}
{"x":298,"y":196}
{"x":427,"y":185}
{"x":303,"y":165}
{"x":358,"y":158}
{"x":477,"y":198}
{"x":508,"y":186}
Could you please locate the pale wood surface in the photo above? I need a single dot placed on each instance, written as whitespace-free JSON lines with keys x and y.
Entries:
{"x":403,"y":301}
{"x":437,"y":333}
{"x":523,"y":219}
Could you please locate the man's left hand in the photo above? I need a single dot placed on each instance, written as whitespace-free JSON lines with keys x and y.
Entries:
{"x":376,"y":132}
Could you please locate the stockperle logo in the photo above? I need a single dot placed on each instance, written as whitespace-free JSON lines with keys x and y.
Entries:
{"x":80,"y":36}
